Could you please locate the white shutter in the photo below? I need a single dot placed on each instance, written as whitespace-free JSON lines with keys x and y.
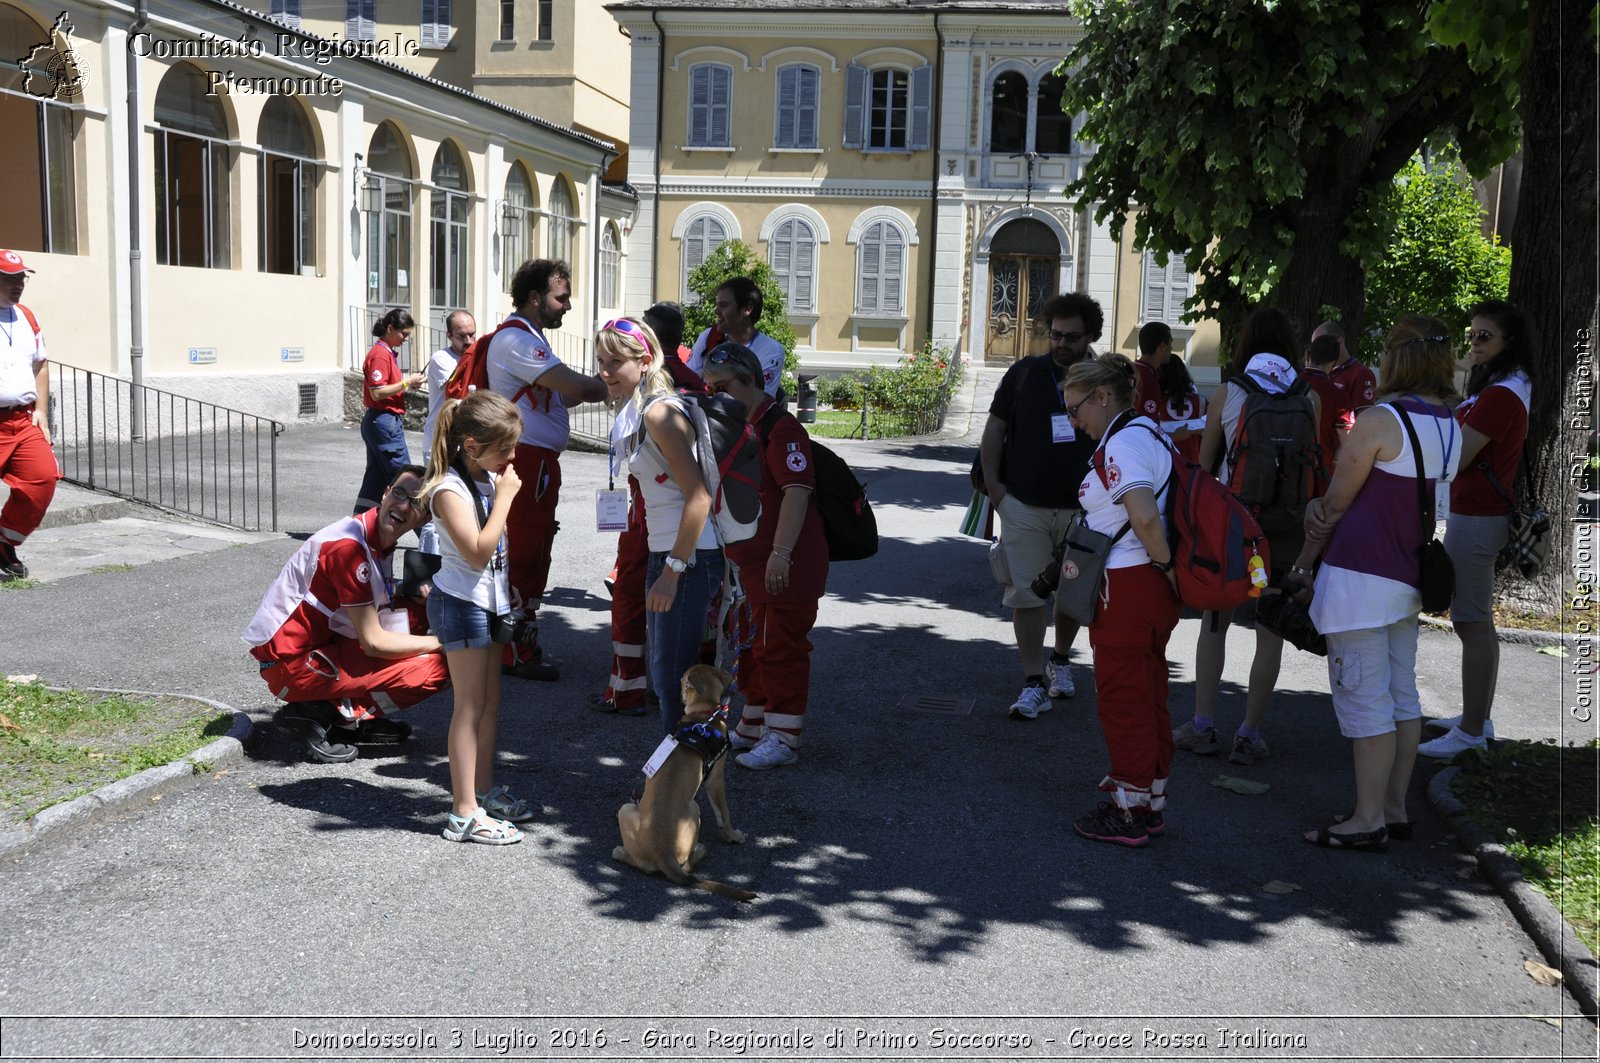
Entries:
{"x":855,"y":97}
{"x":787,"y":133}
{"x":805,"y":268}
{"x":894,"y":259}
{"x":867,"y":291}
{"x":921,"y":126}
{"x":352,"y":20}
{"x":1155,"y":289}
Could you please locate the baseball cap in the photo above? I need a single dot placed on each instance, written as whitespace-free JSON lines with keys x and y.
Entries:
{"x":11,"y":262}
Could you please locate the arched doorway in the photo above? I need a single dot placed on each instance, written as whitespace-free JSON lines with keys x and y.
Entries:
{"x":1024,"y":272}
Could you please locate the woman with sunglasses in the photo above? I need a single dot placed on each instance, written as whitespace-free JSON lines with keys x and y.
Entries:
{"x":654,"y":437}
{"x":1494,"y":429}
{"x":783,"y":569}
{"x":383,"y":393}
{"x":1125,"y":495}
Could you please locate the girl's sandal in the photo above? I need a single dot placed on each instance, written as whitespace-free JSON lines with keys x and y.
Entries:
{"x":501,"y":803}
{"x":480,"y":827}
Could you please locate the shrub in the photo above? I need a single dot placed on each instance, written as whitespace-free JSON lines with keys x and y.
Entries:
{"x":735,"y":259}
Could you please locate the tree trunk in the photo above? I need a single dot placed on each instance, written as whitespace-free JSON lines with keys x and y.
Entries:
{"x":1320,"y":275}
{"x":1553,"y":275}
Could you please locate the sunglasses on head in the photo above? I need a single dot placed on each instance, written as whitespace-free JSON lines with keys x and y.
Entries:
{"x":624,"y":326}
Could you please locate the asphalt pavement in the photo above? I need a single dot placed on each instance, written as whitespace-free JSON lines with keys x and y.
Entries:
{"x":922,"y":894}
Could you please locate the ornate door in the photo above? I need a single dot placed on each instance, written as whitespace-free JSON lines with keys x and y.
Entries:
{"x":1019,"y":286}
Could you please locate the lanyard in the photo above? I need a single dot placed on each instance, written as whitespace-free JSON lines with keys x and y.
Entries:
{"x":1444,"y":447}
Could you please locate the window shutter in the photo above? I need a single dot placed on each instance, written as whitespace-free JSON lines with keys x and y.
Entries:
{"x":429,"y":37}
{"x":921,"y":108}
{"x":805,"y":267}
{"x":893,"y":268}
{"x":1155,"y":289}
{"x":806,"y":108}
{"x":699,"y":106}
{"x":788,"y":107}
{"x":782,"y":248}
{"x":867,"y":296}
{"x":721,"y":89}
{"x":855,"y":98}
{"x":352,"y":20}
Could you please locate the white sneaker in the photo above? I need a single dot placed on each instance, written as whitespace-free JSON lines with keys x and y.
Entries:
{"x":1453,"y":741}
{"x":740,"y":742}
{"x":1455,"y":721}
{"x":1060,"y":679}
{"x":1030,"y":703}
{"x":770,"y":752}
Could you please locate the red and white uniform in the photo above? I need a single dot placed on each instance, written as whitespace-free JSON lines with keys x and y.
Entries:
{"x":303,"y":636}
{"x":1499,"y":411}
{"x":27,"y":463}
{"x":775,"y":671}
{"x":1342,"y":389}
{"x":768,"y":350}
{"x":1147,"y":391}
{"x":380,"y":369}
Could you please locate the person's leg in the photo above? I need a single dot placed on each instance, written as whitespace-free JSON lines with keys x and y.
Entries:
{"x":673,"y":637}
{"x":1402,"y":638}
{"x":489,"y":721}
{"x":1210,"y":657}
{"x":1028,"y":626}
{"x":1473,"y":544}
{"x":372,"y":482}
{"x":785,"y":654}
{"x":468,"y":676}
{"x":749,"y":675}
{"x":1248,"y":744}
{"x":29,"y":467}
{"x":626,"y":689}
{"x":1028,"y":544}
{"x":1363,"y":701}
{"x":1480,"y":673}
{"x":530,"y":534}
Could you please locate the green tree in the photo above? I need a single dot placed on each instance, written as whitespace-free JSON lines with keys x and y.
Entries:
{"x":1437,"y":260}
{"x":736,"y":259}
{"x":1255,"y":138}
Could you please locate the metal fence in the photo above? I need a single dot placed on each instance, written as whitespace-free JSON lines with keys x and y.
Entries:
{"x":915,"y":411}
{"x":413,"y":355}
{"x":152,"y":446}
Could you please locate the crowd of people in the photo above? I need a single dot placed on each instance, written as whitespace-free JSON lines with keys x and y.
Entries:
{"x":1072,"y":438}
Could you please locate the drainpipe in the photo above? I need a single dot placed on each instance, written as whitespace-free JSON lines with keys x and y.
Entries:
{"x":141,"y":19}
{"x":935,"y":138}
{"x":661,"y":86}
{"x":594,"y":237}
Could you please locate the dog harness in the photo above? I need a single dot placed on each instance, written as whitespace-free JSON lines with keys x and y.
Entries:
{"x":703,"y":738}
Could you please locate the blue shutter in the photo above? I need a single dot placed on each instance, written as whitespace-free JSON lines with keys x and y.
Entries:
{"x":699,"y":105}
{"x":855,"y":99}
{"x":788,"y":104}
{"x":721,"y":104}
{"x":921,"y":108}
{"x":805,"y":121}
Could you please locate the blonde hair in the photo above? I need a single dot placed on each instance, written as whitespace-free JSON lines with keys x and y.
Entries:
{"x":1111,"y":371}
{"x":615,"y":343}
{"x":1417,"y":358}
{"x":484,"y":417}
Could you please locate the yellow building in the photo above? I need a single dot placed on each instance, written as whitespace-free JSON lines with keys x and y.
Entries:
{"x":902,"y":166}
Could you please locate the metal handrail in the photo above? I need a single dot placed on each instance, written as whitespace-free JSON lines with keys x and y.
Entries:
{"x":187,"y":456}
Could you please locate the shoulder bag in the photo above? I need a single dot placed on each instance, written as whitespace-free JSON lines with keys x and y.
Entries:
{"x":1438,"y":572}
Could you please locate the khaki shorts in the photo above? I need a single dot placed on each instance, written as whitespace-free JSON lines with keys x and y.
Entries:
{"x":1028,"y":535}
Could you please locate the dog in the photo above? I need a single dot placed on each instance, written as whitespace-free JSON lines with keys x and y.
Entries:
{"x":661,"y":832}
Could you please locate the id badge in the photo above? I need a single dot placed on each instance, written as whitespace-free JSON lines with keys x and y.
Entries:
{"x":611,"y":510}
{"x":1061,"y":429}
{"x":395,"y":620}
{"x":659,"y":757}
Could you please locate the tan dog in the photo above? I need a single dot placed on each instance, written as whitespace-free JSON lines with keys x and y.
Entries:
{"x":661,"y":832}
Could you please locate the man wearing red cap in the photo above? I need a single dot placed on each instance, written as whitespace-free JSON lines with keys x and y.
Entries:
{"x":27,"y":463}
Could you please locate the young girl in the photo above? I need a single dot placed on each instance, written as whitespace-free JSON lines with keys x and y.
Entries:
{"x":471,"y":484}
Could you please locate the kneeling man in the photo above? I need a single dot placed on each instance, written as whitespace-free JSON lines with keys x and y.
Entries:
{"x":333,"y":642}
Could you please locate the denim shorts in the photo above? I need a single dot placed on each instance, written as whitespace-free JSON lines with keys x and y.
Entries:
{"x":458,"y":624}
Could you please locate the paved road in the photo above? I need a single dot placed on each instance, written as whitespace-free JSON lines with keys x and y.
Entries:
{"x":914,"y":865}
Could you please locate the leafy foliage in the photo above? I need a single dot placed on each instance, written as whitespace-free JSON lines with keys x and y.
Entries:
{"x":735,"y":258}
{"x":1437,"y":260}
{"x":913,"y":393}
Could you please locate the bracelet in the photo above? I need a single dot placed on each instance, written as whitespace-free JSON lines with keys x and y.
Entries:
{"x":787,"y":555}
{"x":1162,"y":566}
{"x":1301,"y":571}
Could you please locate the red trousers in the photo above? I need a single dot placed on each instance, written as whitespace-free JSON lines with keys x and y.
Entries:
{"x":29,"y":468}
{"x":626,"y":688}
{"x":775,"y":670}
{"x":1129,"y":637}
{"x":342,"y":671}
{"x":530,"y":534}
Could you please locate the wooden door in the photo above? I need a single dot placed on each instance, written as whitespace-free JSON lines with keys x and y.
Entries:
{"x":1019,"y":286}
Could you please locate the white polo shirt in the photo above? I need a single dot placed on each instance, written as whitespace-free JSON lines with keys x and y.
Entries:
{"x":517,"y":360}
{"x":21,"y":354}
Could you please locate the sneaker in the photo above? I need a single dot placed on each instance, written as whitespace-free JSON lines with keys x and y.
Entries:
{"x":1455,"y":721}
{"x":1108,"y":823}
{"x":538,"y":671}
{"x":611,"y":583}
{"x":1059,"y":676}
{"x":11,"y":567}
{"x":1248,"y":750}
{"x":770,"y":752}
{"x":1204,"y":743}
{"x":1452,"y":742}
{"x":1030,"y":703}
{"x":740,"y":742}
{"x":1155,"y":822}
{"x":311,"y":720}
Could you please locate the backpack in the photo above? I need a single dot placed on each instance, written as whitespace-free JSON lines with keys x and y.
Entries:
{"x":730,"y":460}
{"x":1274,"y":462}
{"x":847,"y":518}
{"x":472,"y":370}
{"x":33,"y":322}
{"x":1214,"y":537}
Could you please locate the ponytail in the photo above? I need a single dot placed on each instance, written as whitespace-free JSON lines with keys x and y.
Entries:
{"x":441,"y":456}
{"x":484,"y":416}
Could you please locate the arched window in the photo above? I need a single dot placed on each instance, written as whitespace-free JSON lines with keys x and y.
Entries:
{"x":519,"y":223}
{"x":792,"y":253}
{"x":610,"y":267}
{"x":1008,"y":114}
{"x":704,"y":235}
{"x":41,"y":212}
{"x":289,"y":176}
{"x":881,"y":270}
{"x":447,"y":287}
{"x":387,"y":202}
{"x":192,"y":163}
{"x":562,"y":216}
{"x":1053,"y":130}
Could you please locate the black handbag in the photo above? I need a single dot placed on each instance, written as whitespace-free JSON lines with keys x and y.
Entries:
{"x":1438,"y":572}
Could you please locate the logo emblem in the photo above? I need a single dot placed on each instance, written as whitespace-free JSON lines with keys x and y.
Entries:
{"x":53,"y":69}
{"x":377,"y":376}
{"x":1069,"y":569}
{"x":1113,"y":474}
{"x":362,"y":575}
{"x":796,"y":462}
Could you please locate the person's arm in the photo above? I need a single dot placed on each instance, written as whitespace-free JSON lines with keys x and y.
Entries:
{"x":791,"y":520}
{"x":572,"y":386}
{"x":459,"y":519}
{"x":989,"y":451}
{"x":1472,"y":444}
{"x":1372,"y":434}
{"x":1144,"y":521}
{"x":378,"y":641}
{"x":405,"y":383}
{"x":1211,"y":439}
{"x":41,"y":409}
{"x":671,"y":432}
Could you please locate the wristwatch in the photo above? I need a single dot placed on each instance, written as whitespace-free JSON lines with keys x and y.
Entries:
{"x":678,"y":565}
{"x":1161,"y":566}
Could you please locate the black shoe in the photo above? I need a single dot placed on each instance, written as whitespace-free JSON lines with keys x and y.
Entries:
{"x":538,"y":671}
{"x":311,"y":721}
{"x":11,"y":567}
{"x":380,"y":731}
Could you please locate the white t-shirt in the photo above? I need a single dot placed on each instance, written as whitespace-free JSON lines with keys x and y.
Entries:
{"x":440,"y":366}
{"x":764,"y":347}
{"x":1133,"y":457}
{"x":487,"y":587}
{"x":21,"y":354}
{"x":517,"y":359}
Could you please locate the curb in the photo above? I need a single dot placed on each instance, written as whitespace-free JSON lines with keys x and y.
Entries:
{"x":1579,"y":969}
{"x":135,"y":788}
{"x":1518,"y":636}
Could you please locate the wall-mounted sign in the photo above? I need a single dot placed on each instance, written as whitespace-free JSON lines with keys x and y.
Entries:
{"x":292,"y":354}
{"x":202,"y":355}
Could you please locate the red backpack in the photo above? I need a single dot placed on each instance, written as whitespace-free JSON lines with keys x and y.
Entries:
{"x":472,"y":370}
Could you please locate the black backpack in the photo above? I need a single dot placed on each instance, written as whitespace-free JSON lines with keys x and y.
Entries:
{"x":730,"y":460}
{"x":847,"y":520}
{"x":1274,"y":460}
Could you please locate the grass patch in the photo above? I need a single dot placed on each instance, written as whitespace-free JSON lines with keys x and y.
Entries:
{"x":1538,"y":799}
{"x":100,"y":570}
{"x":18,"y":584}
{"x":56,"y":746}
{"x":837,"y":424}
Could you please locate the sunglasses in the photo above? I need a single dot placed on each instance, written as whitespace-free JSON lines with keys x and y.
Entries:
{"x":626,"y":327}
{"x":1065,"y":337}
{"x":1481,"y":336}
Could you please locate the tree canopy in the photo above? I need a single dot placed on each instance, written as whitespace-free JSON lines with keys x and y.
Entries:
{"x":736,"y":259}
